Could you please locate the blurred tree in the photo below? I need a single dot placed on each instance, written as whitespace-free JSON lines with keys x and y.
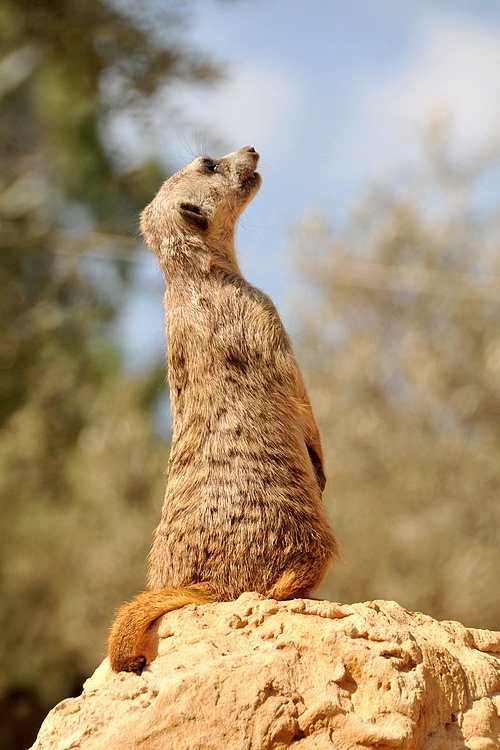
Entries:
{"x":80,"y":470}
{"x":402,"y":348}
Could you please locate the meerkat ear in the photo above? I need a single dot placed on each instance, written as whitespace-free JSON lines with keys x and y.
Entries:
{"x":195,"y":214}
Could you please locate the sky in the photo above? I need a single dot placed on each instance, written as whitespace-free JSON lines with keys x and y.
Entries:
{"x":333,"y":95}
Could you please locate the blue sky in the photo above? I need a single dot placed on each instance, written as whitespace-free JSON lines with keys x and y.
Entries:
{"x":333,"y":95}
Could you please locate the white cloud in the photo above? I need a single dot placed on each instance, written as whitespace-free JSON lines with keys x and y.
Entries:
{"x":453,"y":70}
{"x":255,"y":105}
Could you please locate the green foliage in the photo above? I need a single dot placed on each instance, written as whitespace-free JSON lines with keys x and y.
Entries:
{"x":81,"y":485}
{"x":81,"y":472}
{"x":402,"y":348}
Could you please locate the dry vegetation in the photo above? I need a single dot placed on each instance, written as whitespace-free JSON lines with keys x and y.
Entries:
{"x":402,"y":348}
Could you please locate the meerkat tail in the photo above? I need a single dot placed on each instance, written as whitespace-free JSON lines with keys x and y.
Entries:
{"x":135,"y":617}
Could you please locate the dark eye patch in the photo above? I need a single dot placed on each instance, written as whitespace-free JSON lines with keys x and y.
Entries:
{"x":210,"y":165}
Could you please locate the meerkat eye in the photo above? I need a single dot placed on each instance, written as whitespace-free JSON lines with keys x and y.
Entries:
{"x":210,"y":166}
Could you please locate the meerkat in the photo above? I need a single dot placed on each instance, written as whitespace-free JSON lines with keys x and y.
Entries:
{"x":243,"y":507}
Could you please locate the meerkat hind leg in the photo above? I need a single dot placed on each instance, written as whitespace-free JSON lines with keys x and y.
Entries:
{"x":294,"y":584}
{"x":129,"y":648}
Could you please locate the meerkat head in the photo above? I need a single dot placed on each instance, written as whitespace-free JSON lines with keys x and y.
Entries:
{"x":204,"y":200}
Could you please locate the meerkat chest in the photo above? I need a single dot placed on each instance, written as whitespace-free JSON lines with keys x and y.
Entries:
{"x":222,"y":330}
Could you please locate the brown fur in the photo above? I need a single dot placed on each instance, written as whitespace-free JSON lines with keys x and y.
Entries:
{"x":243,"y":508}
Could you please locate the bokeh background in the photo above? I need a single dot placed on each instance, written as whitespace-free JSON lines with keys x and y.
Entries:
{"x":376,"y":232}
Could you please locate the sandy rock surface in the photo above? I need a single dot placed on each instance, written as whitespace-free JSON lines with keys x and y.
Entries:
{"x":257,"y":674}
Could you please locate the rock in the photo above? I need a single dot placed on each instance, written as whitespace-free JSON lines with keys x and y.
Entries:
{"x":257,"y":674}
